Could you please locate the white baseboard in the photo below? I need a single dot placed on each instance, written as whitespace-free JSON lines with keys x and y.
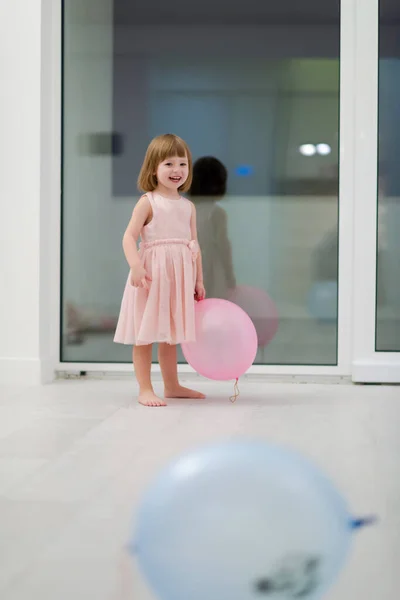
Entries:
{"x":48,"y":370}
{"x":193,"y":377}
{"x":371,"y":372}
{"x":26,"y":371}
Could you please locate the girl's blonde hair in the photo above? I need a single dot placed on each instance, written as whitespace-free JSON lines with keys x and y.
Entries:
{"x":161,"y":148}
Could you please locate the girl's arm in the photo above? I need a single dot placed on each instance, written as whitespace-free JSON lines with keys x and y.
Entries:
{"x":141,"y":215}
{"x":200,"y":291}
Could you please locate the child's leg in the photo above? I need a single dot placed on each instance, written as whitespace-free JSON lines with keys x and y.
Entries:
{"x":169,"y":369}
{"x":142,"y":363}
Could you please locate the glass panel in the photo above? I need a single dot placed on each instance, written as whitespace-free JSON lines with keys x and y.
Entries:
{"x":388,"y":257}
{"x":256,"y":87}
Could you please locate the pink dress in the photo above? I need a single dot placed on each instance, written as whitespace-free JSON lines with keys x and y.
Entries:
{"x":165,"y":312}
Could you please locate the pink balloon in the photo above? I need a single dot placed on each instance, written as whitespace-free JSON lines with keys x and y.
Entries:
{"x":226,"y":343}
{"x":261,"y":310}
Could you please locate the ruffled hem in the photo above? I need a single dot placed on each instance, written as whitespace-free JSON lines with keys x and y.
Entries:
{"x":148,"y":343}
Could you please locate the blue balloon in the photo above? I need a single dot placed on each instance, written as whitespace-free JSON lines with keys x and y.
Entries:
{"x":242,"y":520}
{"x":322,"y":302}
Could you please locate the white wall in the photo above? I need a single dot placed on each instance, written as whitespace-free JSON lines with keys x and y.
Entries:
{"x":20,"y":193}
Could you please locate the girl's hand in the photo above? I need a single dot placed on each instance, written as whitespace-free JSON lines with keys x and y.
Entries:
{"x":199,"y":292}
{"x":139,"y":277}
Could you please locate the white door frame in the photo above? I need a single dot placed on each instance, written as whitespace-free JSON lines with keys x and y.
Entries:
{"x":358,"y":176}
{"x":368,"y":365}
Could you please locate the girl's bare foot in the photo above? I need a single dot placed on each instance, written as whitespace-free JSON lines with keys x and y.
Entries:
{"x":150,"y":399}
{"x":182,"y":392}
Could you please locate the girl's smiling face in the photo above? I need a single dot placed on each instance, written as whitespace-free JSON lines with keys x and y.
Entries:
{"x":172,"y":173}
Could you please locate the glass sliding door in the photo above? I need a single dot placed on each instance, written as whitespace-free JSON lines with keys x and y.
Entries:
{"x":388,"y":215}
{"x":254,"y":86}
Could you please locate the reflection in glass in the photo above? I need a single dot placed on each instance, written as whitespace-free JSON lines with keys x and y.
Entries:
{"x":388,"y":231}
{"x":252,"y":92}
{"x":208,"y":188}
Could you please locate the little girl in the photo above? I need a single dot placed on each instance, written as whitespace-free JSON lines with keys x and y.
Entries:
{"x":166,"y":273}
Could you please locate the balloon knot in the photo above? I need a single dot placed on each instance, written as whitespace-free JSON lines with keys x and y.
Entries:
{"x":363,"y":522}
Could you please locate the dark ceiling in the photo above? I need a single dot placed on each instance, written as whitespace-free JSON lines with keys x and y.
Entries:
{"x":238,"y":12}
{"x":216,"y":12}
{"x":227,"y":11}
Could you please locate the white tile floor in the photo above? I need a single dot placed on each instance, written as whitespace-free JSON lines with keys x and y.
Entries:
{"x":75,"y":457}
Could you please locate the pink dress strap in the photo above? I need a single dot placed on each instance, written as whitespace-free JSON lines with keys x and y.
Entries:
{"x":150,"y":197}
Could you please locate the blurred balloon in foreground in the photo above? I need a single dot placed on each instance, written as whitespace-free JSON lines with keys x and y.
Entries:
{"x":226,"y":341}
{"x":322,"y":301}
{"x":261,"y":310}
{"x":242,"y":521}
